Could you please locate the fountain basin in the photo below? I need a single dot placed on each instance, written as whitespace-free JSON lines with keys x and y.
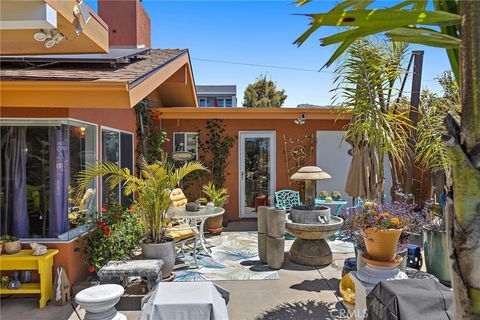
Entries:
{"x":314,"y":231}
{"x":303,"y":214}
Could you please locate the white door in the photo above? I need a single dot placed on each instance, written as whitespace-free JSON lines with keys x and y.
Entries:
{"x":256,"y":171}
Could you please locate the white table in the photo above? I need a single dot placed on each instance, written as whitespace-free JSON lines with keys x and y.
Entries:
{"x":197,"y":216}
{"x":185,"y":301}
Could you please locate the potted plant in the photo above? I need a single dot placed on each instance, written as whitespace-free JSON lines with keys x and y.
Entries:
{"x":219,"y":197}
{"x":377,"y":229}
{"x":322,"y":195}
{"x":336,"y":196}
{"x":152,"y":189}
{"x":435,"y":244}
{"x":11,"y":244}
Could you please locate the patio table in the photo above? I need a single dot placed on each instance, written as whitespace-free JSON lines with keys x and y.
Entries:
{"x":339,"y":204}
{"x":185,"y":300}
{"x":197,"y":216}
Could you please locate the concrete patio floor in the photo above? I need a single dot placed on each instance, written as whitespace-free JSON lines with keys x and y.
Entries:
{"x":301,"y":293}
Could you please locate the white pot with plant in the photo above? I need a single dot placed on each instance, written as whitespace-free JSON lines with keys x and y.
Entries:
{"x":152,"y":189}
{"x":217,"y":197}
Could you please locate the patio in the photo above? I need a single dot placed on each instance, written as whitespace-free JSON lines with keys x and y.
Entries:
{"x":301,"y":292}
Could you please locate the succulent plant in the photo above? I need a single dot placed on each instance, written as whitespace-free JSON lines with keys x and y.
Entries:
{"x":7,"y":238}
{"x":336,"y":195}
{"x":323,"y":194}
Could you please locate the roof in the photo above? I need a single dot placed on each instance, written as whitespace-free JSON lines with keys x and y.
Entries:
{"x":216,"y":89}
{"x":134,"y":71}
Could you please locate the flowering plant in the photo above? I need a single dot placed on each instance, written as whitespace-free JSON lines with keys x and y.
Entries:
{"x":116,"y":236}
{"x":434,"y":217}
{"x":373,"y":215}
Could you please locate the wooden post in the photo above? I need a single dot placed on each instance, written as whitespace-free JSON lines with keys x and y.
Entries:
{"x":413,"y":115}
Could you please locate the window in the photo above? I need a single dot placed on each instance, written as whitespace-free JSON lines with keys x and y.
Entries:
{"x":40,"y":161}
{"x":202,"y":102}
{"x":224,"y":102}
{"x":117,"y":147}
{"x":186,"y":141}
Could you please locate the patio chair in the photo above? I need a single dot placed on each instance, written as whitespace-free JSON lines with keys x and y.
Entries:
{"x":286,"y":199}
{"x":184,"y":233}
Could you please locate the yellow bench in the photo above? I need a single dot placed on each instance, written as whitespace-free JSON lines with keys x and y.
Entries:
{"x":25,"y":261}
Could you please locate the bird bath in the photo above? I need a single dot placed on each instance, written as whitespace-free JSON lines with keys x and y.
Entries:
{"x":311,"y":224}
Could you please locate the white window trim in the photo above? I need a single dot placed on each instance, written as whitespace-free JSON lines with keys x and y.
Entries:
{"x":119,"y":157}
{"x":49,"y":122}
{"x":185,"y":139}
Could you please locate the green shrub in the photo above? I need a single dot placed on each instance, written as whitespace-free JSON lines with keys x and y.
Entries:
{"x":115,"y":237}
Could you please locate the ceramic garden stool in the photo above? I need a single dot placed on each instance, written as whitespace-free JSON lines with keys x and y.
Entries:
{"x":151,"y":269}
{"x":99,"y":302}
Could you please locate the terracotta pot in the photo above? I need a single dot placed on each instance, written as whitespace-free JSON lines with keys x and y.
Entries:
{"x":11,"y":247}
{"x":381,"y":244}
{"x":215,"y":224}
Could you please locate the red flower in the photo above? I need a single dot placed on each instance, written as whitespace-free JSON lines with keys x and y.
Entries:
{"x":91,"y":269}
{"x":156,"y":116}
{"x":133,"y":209}
{"x":106,"y":232}
{"x":104,"y":209}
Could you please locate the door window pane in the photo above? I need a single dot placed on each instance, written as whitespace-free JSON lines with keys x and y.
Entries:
{"x":179,"y":142}
{"x":126,"y":160}
{"x":110,"y":153}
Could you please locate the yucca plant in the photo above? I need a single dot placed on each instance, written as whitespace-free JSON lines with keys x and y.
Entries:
{"x":152,"y":189}
{"x":219,"y":196}
{"x":366,"y":79}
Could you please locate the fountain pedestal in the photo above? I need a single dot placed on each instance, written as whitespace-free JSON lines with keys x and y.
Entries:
{"x":310,"y":248}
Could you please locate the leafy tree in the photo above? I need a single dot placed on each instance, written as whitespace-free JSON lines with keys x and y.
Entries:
{"x":263,"y":94}
{"x":411,"y":21}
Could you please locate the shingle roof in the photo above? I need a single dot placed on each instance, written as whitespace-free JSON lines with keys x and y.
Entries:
{"x":136,"y":69}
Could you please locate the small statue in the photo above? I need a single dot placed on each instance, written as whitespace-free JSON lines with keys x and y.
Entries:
{"x":38,"y":249}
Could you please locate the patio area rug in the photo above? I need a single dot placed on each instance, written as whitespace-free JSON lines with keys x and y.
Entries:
{"x":233,"y":254}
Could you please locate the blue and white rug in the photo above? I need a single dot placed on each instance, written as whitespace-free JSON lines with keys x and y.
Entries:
{"x":233,"y":254}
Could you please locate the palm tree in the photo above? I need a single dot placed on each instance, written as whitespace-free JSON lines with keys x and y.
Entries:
{"x":152,"y":189}
{"x":365,"y":82}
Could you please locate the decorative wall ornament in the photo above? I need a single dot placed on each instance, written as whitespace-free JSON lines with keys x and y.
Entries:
{"x":298,"y":153}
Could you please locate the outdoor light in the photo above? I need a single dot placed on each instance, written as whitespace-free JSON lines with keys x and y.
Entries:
{"x":53,"y":41}
{"x":50,"y":37}
{"x":301,"y":119}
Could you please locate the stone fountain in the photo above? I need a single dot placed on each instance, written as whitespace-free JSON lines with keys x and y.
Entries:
{"x":311,"y":224}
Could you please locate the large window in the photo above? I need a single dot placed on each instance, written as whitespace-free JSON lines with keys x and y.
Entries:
{"x":117,"y":147}
{"x":40,"y":161}
{"x":186,"y":141}
{"x":215,"y":102}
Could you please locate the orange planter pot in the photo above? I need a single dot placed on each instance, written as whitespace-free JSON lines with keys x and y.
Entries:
{"x":381,"y":244}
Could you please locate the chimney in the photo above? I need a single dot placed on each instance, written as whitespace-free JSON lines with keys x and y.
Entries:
{"x":128,"y":23}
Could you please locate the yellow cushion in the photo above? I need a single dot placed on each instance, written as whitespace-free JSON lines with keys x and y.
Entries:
{"x":179,"y":235}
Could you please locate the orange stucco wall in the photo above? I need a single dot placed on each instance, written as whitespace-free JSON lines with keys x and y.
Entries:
{"x":233,"y":126}
{"x":122,"y":119}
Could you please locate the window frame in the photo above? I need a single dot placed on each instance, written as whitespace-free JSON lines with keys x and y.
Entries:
{"x":185,"y":133}
{"x":74,"y":233}
{"x":119,"y":131}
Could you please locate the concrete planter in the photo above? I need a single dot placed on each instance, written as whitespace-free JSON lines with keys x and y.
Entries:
{"x":436,"y":254}
{"x":164,"y":251}
{"x":262,"y":219}
{"x":262,"y":247}
{"x":276,"y":223}
{"x":275,"y":252}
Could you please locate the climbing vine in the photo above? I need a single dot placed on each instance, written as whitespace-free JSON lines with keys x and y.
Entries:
{"x":149,"y":137}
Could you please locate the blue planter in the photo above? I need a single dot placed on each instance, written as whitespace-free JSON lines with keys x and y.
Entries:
{"x":436,"y":254}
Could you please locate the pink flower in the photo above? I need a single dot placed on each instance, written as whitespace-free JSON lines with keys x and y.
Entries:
{"x":91,"y":269}
{"x":104,"y":209}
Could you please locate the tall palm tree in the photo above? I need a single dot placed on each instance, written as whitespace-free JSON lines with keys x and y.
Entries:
{"x":152,"y":188}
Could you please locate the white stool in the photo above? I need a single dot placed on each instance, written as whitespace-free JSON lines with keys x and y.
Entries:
{"x":99,"y":302}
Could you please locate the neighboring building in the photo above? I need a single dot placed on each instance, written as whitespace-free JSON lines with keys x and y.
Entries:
{"x":217,"y":96}
{"x":308,"y":106}
{"x":61,"y":113}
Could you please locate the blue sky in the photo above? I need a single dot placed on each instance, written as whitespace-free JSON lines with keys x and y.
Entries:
{"x":258,"y":32}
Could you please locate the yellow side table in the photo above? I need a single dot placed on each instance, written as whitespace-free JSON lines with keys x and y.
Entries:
{"x":25,"y":261}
